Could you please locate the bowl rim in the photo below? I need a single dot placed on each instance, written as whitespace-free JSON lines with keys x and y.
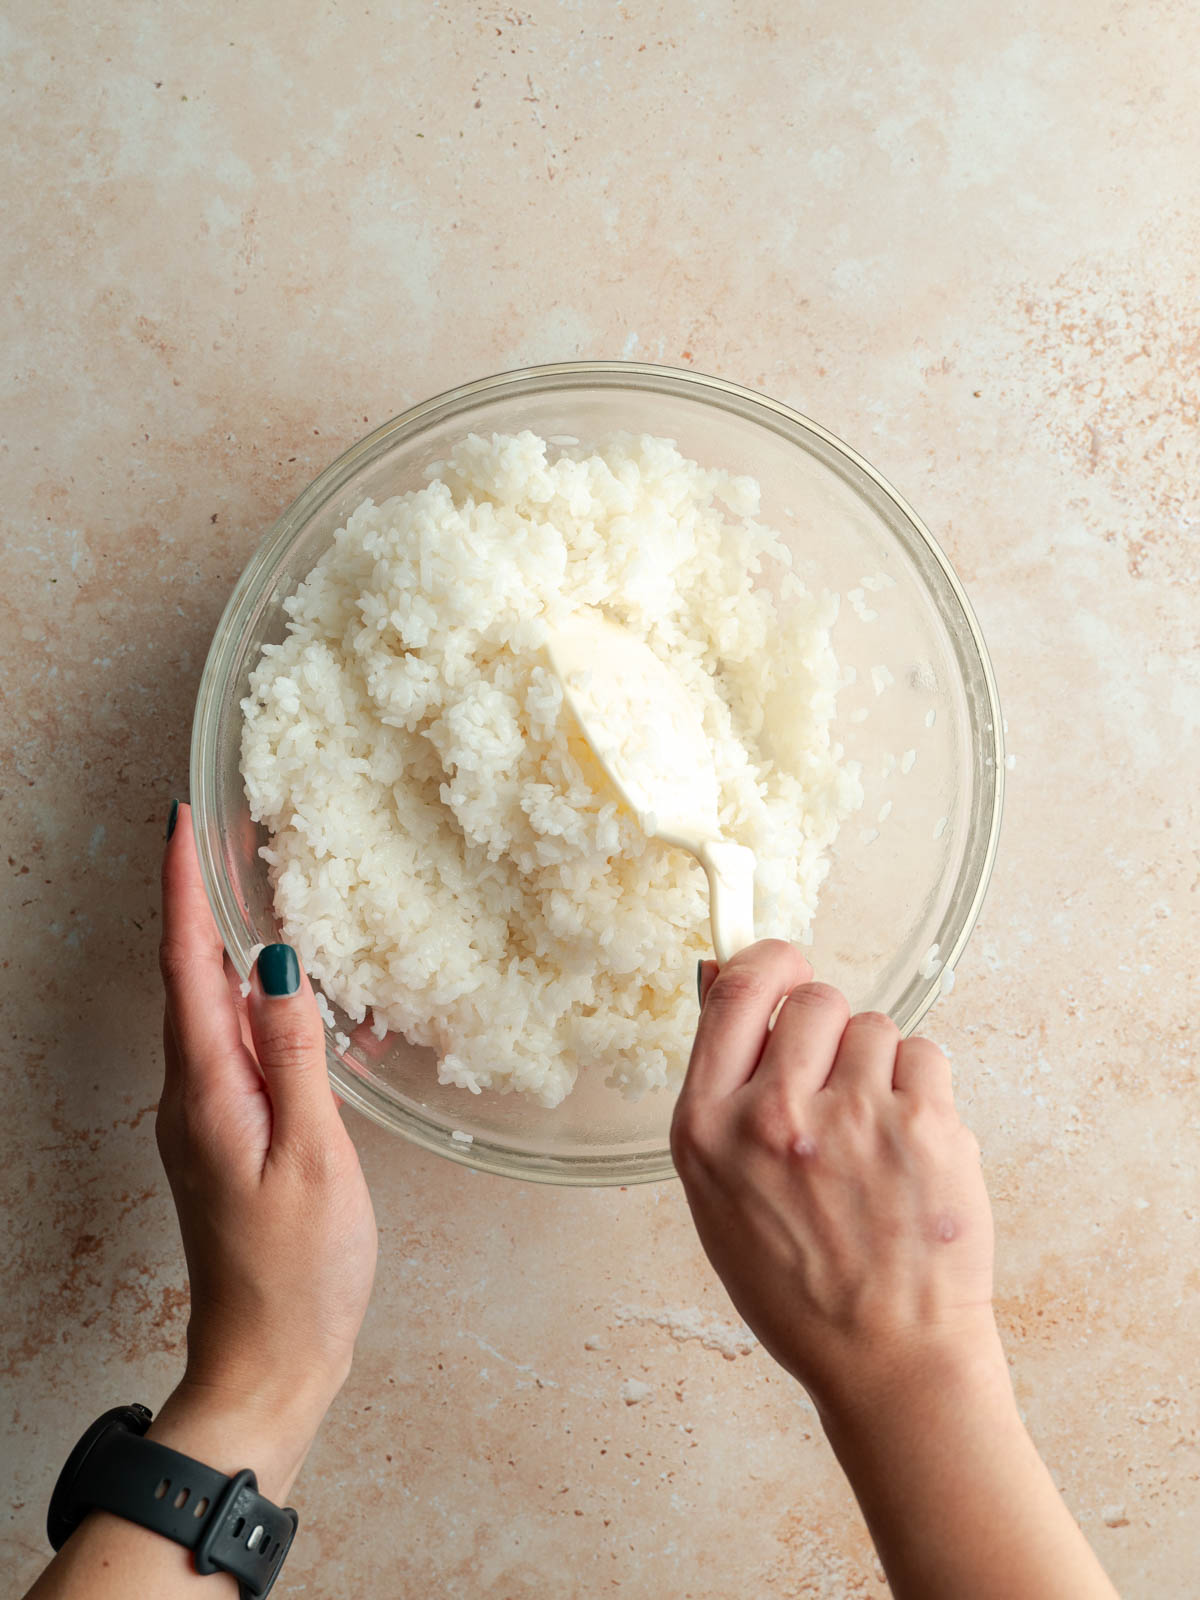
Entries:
{"x":587,"y":1170}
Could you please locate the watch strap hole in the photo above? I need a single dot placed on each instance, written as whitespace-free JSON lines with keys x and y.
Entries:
{"x":200,"y":1507}
{"x":163,"y":1487}
{"x":181,"y":1499}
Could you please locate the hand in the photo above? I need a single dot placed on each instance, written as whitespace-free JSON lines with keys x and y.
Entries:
{"x":276,"y":1220}
{"x":833,"y":1186}
{"x":842,"y":1203}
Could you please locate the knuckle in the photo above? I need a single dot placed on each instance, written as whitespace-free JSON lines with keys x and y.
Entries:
{"x":815,"y":996}
{"x":774,"y":947}
{"x":173,"y":960}
{"x":288,"y":1048}
{"x":919,"y":1041}
{"x":771,"y":1123}
{"x":736,"y":988}
{"x":689,"y":1139}
{"x":875,"y":1022}
{"x":923,"y":1051}
{"x":929,"y":1130}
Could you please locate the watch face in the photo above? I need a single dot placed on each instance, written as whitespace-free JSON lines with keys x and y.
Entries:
{"x":65,"y":1513}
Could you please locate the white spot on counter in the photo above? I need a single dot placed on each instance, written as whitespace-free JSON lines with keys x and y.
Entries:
{"x":688,"y":1322}
{"x":634,"y":1391}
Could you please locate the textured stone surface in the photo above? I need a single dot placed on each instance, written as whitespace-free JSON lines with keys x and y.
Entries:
{"x":964,"y":239}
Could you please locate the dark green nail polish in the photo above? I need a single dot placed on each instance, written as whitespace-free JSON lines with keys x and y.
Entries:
{"x":173,"y":818}
{"x":700,"y":982}
{"x":278,"y":970}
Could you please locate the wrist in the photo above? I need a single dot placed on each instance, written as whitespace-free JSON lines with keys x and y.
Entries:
{"x":228,"y":1429}
{"x":900,"y":1388}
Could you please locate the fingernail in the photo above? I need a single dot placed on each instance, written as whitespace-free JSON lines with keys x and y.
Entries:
{"x":700,"y":982}
{"x":173,"y":818}
{"x":278,"y":970}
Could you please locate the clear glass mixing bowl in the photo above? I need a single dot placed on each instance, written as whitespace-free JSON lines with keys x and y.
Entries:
{"x":896,"y":887}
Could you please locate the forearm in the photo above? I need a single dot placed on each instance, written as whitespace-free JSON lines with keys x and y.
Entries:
{"x":109,"y":1558}
{"x":956,"y":1497}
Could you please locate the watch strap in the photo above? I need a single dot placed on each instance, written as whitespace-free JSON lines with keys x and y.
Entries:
{"x":224,"y":1521}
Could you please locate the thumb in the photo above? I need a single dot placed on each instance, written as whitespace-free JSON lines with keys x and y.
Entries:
{"x":289,"y":1041}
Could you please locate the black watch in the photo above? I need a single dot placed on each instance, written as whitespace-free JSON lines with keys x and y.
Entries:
{"x":226,"y":1524}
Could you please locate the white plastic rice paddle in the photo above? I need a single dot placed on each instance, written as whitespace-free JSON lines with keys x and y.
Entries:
{"x":647,"y":734}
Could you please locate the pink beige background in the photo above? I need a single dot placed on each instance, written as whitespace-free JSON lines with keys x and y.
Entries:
{"x":962,"y":237}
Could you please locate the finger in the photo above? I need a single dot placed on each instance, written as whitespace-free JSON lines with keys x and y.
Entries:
{"x":738,"y":1005}
{"x":707,"y":976}
{"x":289,"y":1041}
{"x":866,"y":1055}
{"x":805,"y":1038}
{"x":204,"y":1020}
{"x":922,"y":1070}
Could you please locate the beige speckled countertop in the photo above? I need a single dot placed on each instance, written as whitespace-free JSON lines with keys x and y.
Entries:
{"x":962,"y":237}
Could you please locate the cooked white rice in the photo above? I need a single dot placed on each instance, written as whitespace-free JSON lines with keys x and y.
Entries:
{"x":444,"y":850}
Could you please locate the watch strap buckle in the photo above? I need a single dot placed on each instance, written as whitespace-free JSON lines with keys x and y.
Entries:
{"x":246,"y":1536}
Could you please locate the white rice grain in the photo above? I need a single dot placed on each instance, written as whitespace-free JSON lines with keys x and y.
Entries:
{"x":442,"y":852}
{"x":930,"y":965}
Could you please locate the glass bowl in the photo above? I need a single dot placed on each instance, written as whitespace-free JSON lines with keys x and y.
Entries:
{"x":922,"y":717}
